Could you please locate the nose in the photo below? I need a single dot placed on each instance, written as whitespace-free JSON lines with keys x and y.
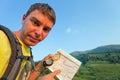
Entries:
{"x":38,"y":32}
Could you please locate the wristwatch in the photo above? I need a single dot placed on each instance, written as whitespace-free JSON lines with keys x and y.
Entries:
{"x":48,"y":62}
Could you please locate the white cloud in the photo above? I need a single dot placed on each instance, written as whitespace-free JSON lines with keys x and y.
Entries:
{"x":68,"y":30}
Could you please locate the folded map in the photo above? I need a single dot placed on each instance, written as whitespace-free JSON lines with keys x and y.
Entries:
{"x":66,"y":63}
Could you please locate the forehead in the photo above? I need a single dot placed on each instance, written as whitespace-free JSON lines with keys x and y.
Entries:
{"x":40,"y":17}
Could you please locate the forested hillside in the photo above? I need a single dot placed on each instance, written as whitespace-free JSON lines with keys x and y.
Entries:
{"x":101,"y":63}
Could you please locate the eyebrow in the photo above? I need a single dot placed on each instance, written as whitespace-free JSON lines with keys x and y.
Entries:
{"x":35,"y":19}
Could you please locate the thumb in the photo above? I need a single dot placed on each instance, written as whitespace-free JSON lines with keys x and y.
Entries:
{"x":53,"y":74}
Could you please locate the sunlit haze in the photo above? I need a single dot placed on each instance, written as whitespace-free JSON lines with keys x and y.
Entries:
{"x":81,"y":24}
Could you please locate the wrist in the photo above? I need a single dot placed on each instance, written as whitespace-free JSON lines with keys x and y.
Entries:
{"x":39,"y":67}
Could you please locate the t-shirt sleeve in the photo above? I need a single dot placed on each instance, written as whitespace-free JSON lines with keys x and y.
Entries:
{"x":5,"y":52}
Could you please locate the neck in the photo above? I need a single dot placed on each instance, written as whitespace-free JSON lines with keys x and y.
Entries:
{"x":17,"y":33}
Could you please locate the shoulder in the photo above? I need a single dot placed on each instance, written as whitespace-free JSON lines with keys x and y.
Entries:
{"x":5,"y":52}
{"x":4,"y":43}
{"x":2,"y":34}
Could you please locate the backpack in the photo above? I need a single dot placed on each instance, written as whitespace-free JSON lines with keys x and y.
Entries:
{"x":16,"y":56}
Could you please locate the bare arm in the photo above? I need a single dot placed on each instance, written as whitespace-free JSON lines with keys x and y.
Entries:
{"x":36,"y":71}
{"x":38,"y":68}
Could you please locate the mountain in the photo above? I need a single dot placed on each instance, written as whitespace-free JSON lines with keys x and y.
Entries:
{"x":100,"y":49}
{"x":107,"y":48}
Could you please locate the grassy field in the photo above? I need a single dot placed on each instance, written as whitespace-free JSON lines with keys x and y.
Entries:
{"x":98,"y":71}
{"x":102,"y":63}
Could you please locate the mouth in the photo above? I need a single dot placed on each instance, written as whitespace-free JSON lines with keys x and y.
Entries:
{"x":33,"y":39}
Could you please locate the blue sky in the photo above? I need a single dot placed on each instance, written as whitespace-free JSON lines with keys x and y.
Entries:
{"x":81,"y":24}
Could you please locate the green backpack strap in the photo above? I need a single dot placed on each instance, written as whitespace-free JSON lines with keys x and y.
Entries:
{"x":16,"y":56}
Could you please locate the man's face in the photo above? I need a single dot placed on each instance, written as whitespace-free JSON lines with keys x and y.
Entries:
{"x":35,"y":28}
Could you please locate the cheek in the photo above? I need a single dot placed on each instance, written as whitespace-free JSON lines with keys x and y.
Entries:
{"x":44,"y":35}
{"x":26,"y":31}
{"x":28,"y":28}
{"x":27,"y":25}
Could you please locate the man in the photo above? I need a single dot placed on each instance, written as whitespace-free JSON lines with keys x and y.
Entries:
{"x":36,"y":24}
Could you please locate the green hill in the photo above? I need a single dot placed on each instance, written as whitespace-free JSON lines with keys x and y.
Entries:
{"x":101,"y":49}
{"x":101,"y":63}
{"x":107,"y":48}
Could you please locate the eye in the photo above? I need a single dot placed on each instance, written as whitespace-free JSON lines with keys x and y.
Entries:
{"x":35,"y":22}
{"x":47,"y":29}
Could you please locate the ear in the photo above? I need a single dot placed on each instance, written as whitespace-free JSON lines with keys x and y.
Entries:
{"x":23,"y":17}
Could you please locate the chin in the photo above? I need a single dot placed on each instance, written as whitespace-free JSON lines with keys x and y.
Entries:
{"x":31,"y":44}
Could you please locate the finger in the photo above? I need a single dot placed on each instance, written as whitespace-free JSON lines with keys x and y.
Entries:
{"x":55,"y":73}
{"x":49,"y":56}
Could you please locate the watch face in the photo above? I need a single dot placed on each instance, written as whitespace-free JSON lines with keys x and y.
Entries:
{"x":49,"y":62}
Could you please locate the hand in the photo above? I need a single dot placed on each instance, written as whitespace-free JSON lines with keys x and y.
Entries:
{"x":48,"y":57}
{"x":38,"y":68}
{"x":50,"y":76}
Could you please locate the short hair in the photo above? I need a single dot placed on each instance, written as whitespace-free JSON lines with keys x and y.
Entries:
{"x":45,"y":9}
